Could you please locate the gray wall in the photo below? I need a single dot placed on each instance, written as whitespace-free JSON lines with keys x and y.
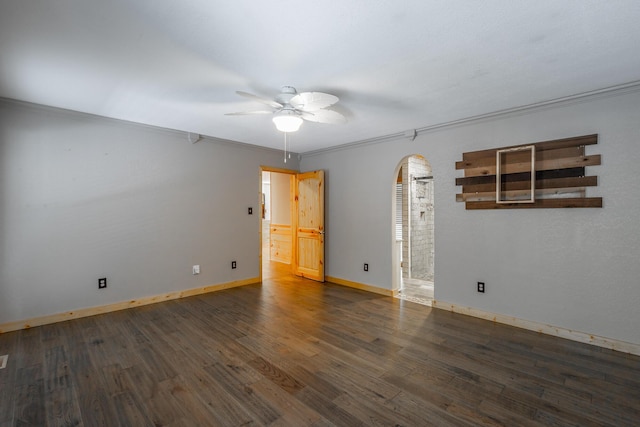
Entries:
{"x":573,"y":268}
{"x":82,"y":197}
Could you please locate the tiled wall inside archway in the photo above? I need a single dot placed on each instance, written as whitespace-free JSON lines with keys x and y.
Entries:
{"x":417,"y":209}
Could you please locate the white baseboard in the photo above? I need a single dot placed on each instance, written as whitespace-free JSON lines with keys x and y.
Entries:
{"x":92,"y":311}
{"x":556,"y":331}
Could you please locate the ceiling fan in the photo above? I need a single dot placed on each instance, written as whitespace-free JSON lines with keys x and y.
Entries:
{"x":290,"y":108}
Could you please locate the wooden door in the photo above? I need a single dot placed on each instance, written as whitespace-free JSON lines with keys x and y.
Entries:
{"x":309,"y":217}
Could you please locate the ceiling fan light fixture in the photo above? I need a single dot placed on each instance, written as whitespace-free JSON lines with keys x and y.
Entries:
{"x":287,"y":121}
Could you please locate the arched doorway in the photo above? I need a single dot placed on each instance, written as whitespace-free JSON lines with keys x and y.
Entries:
{"x":413,"y":230}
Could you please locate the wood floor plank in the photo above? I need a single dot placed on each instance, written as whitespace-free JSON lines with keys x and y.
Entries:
{"x":156,"y":360}
{"x":7,"y":404}
{"x":371,"y":413}
{"x":546,"y":410}
{"x":233,"y":384}
{"x":8,"y":346}
{"x":162,"y":409}
{"x":29,"y":349}
{"x":326,"y":407}
{"x":30,"y":397}
{"x":61,"y":400}
{"x":508,"y":413}
{"x":276,"y":375}
{"x":296,"y":352}
{"x":294,"y":412}
{"x":210,"y":398}
{"x":95,"y":406}
{"x":422,"y":412}
{"x":320,"y":386}
{"x":436,"y":393}
{"x":130,"y":411}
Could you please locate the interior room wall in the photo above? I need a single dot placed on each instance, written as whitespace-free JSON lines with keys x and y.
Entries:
{"x":573,"y":268}
{"x":83,"y":197}
{"x":280,"y":198}
{"x":266,"y":193}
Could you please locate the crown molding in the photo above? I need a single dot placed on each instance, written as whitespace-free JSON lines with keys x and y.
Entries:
{"x":135,"y":125}
{"x":494,"y":115}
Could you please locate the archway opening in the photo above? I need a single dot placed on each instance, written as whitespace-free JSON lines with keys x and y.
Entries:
{"x":413,"y":230}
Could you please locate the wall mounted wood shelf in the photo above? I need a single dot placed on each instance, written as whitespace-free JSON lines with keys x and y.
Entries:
{"x":549,"y":174}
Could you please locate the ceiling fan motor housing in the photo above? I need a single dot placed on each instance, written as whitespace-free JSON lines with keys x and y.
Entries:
{"x":286,"y":94}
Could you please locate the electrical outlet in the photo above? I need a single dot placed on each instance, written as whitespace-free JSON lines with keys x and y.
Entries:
{"x":233,"y":264}
{"x":481,"y":287}
{"x":366,"y":267}
{"x":102,"y":283}
{"x":196,"y":269}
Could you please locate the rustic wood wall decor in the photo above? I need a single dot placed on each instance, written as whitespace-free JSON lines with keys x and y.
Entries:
{"x":549,"y":174}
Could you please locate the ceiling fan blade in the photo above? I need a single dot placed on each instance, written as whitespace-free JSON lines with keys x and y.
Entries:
{"x":324,"y":116}
{"x":245,"y":113}
{"x":268,"y":102}
{"x":312,"y":101}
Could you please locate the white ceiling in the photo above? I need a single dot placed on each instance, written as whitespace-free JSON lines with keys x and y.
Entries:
{"x":396,"y":65}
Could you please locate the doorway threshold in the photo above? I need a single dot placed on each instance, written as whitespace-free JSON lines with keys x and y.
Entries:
{"x":417,"y":290}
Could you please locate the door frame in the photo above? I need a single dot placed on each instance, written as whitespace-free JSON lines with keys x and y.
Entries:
{"x":291,"y":206}
{"x":396,"y":252}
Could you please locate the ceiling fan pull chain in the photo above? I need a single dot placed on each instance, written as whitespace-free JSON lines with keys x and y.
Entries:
{"x":285,"y":147}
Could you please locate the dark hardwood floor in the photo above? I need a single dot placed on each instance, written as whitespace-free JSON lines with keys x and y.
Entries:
{"x":293,"y":353}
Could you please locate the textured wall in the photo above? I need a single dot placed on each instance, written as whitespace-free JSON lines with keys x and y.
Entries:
{"x":83,"y":197}
{"x":574,"y":268}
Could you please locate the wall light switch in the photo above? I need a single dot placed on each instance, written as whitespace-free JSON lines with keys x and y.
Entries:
{"x":196,"y":269}
{"x":250,"y":211}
